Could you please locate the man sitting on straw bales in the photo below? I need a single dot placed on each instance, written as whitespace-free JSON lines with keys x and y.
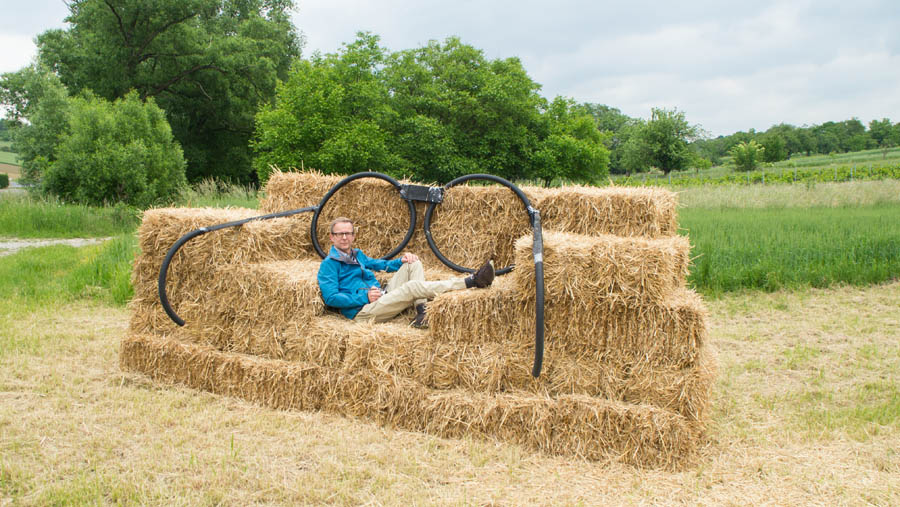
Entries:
{"x":347,"y":283}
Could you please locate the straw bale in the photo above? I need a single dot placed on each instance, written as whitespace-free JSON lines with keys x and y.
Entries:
{"x":396,"y":348}
{"x":474,"y":221}
{"x":621,"y":211}
{"x":264,"y":296}
{"x":572,"y":425}
{"x":583,"y":270}
{"x":472,"y":224}
{"x":265,"y":309}
{"x":289,"y":386}
{"x":506,"y":366}
{"x":192,"y":269}
{"x":293,"y":190}
{"x":669,"y":333}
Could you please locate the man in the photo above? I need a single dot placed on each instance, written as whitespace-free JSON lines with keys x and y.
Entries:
{"x":348,"y":284}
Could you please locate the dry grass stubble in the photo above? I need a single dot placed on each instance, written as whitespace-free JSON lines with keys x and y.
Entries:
{"x":789,"y":425}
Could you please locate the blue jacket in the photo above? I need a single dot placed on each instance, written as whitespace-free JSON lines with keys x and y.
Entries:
{"x":345,"y":279}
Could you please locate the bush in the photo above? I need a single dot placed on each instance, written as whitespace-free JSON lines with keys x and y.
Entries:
{"x":4,"y":180}
{"x":116,"y":152}
{"x":747,"y":155}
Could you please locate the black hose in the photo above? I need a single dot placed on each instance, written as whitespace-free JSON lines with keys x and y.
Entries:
{"x":348,"y":179}
{"x":164,"y":269}
{"x":537,"y":250}
{"x":457,"y":181}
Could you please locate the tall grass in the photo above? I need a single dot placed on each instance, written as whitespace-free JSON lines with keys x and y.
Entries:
{"x":216,"y":194}
{"x":23,"y":216}
{"x":852,"y":193}
{"x":770,"y":249}
{"x":60,"y":273}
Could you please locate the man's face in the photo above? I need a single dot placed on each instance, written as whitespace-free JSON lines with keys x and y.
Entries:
{"x":342,"y":236}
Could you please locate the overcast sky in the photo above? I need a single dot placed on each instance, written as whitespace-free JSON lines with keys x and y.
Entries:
{"x":729,"y":66}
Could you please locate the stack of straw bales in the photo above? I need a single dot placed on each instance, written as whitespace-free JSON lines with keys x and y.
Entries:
{"x":627,"y":368}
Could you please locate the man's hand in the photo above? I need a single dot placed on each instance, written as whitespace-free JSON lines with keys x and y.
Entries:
{"x":374,"y":294}
{"x":409,"y":258}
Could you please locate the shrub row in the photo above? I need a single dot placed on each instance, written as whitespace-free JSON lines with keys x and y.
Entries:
{"x":4,"y":180}
{"x":844,"y":173}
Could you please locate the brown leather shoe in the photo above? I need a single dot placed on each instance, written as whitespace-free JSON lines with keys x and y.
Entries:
{"x":483,"y":277}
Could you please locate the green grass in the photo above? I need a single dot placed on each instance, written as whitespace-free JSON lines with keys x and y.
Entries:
{"x":59,"y":273}
{"x":22,"y":216}
{"x":214,"y":194}
{"x":8,"y":157}
{"x":770,"y":249}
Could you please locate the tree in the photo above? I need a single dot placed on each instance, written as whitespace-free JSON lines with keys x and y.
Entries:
{"x":460,"y":113}
{"x":37,"y":94}
{"x":616,"y":127}
{"x":431,"y":113}
{"x":661,"y":142}
{"x":574,"y":148}
{"x":209,"y":64}
{"x":747,"y":155}
{"x":332,"y":114}
{"x":116,"y":152}
{"x":774,"y":147}
{"x":881,"y":132}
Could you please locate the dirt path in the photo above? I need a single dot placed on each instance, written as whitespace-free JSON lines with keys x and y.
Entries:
{"x":9,"y":246}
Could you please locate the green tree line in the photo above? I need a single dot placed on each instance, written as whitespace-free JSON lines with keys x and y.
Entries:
{"x":782,"y":141}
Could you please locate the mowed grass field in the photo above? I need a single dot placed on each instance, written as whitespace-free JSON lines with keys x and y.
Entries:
{"x":806,"y":408}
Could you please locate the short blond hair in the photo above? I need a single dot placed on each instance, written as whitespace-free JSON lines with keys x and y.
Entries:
{"x":340,"y":220}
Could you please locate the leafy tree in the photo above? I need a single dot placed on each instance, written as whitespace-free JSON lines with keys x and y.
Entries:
{"x":661,"y":142}
{"x":37,"y":94}
{"x":881,"y":132}
{"x":209,"y":64}
{"x":747,"y":155}
{"x":574,"y":149}
{"x":331,"y":114}
{"x":774,"y":147}
{"x":432,"y":113}
{"x":460,"y":113}
{"x":616,"y":127}
{"x":116,"y":152}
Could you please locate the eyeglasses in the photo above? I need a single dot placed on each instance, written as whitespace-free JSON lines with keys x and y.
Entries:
{"x":342,"y":234}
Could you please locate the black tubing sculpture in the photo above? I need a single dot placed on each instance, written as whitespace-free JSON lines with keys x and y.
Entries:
{"x":410,"y":193}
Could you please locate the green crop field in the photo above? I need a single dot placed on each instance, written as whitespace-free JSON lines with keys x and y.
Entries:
{"x":770,"y":249}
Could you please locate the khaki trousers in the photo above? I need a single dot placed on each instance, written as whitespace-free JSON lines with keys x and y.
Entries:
{"x":406,"y":288}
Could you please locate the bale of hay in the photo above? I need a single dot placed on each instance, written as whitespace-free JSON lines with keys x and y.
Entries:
{"x":375,"y":206}
{"x":667,"y":333}
{"x":288,"y":386}
{"x":576,"y":425}
{"x":583,"y":270}
{"x":506,"y":366}
{"x":475,"y":221}
{"x":571,"y":425}
{"x":193,"y":267}
{"x":620,"y":211}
